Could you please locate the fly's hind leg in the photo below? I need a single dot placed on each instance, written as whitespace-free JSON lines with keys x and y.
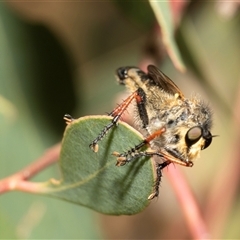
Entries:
{"x":140,"y":97}
{"x":116,"y":114}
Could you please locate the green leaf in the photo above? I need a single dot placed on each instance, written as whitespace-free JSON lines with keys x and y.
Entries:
{"x":92,"y":179}
{"x":163,"y":15}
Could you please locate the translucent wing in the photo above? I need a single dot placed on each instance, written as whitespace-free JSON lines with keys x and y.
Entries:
{"x":163,"y":82}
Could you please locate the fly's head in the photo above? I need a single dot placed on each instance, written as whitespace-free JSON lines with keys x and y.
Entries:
{"x":199,"y":137}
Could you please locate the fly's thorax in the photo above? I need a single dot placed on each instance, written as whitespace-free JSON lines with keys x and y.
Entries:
{"x":163,"y":110}
{"x":170,"y":113}
{"x":159,"y":101}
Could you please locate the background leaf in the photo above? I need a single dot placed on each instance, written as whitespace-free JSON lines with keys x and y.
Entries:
{"x":164,"y":17}
{"x":92,"y":179}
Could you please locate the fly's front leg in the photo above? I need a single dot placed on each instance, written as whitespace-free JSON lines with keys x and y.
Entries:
{"x":133,"y":153}
{"x":116,"y":114}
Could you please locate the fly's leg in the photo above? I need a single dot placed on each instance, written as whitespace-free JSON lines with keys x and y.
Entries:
{"x":140,"y":97}
{"x":116,"y":114}
{"x":141,"y":105}
{"x":159,"y":167}
{"x":68,"y":118}
{"x":122,"y":160}
{"x":133,"y":153}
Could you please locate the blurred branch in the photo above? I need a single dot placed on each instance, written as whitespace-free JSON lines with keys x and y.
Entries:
{"x":163,"y":14}
{"x":18,"y":181}
{"x":225,"y":185}
{"x":188,"y":203}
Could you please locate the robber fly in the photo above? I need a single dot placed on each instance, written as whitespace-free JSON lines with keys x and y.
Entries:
{"x":176,"y":128}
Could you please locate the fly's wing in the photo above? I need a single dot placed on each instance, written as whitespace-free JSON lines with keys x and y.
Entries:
{"x":162,"y":81}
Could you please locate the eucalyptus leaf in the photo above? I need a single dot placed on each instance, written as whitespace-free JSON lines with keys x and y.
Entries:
{"x":92,"y":179}
{"x":163,"y":15}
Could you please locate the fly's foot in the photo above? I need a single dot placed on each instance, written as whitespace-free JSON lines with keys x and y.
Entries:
{"x":189,"y":164}
{"x":94,"y":146}
{"x":121,"y":159}
{"x":68,"y":118}
{"x":153,"y":195}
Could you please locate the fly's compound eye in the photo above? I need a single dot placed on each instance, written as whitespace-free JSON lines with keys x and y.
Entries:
{"x":193,"y":135}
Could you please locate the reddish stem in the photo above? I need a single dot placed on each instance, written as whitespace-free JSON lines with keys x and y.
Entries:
{"x":18,"y":181}
{"x":225,"y":185}
{"x":188,"y":203}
